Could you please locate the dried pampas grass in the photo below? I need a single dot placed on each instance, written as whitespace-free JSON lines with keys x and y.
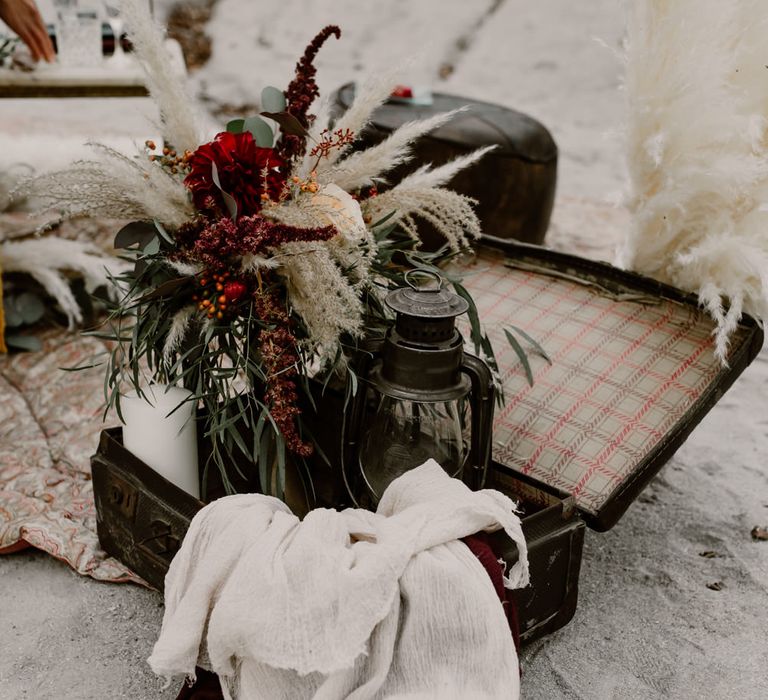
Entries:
{"x":167,"y":88}
{"x":698,"y":152}
{"x":321,"y":294}
{"x":114,"y":186}
{"x":420,"y":195}
{"x":48,"y":261}
{"x":364,"y":168}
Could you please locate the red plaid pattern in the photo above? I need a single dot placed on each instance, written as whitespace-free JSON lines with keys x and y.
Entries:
{"x":624,"y":372}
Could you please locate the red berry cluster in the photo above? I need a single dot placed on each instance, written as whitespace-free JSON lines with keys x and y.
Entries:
{"x":219,"y":294}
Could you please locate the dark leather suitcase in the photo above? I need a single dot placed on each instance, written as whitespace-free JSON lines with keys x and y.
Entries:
{"x":632,"y":374}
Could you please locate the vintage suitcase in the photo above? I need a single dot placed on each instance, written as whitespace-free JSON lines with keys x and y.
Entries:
{"x":514,"y":184}
{"x":632,"y":373}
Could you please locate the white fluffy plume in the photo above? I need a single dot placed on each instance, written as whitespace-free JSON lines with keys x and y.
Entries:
{"x":420,"y":195}
{"x":114,"y":186}
{"x":168,"y":89}
{"x":363,"y":168}
{"x":48,"y":260}
{"x":698,"y":152}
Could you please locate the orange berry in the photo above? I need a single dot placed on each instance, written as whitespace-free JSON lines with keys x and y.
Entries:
{"x":195,"y":297}
{"x":203,"y":281}
{"x":223,"y":307}
{"x":166,"y":151}
{"x":150,"y":144}
{"x":295,"y":179}
{"x":313,"y":187}
{"x":206,"y":302}
{"x":219,"y":286}
{"x":219,"y":315}
{"x":223,"y":299}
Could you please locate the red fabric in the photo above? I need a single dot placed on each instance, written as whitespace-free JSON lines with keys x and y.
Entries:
{"x":17,"y":547}
{"x":479,"y":546}
{"x":207,"y":686}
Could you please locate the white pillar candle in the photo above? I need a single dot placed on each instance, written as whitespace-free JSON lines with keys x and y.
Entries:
{"x":167,"y":443}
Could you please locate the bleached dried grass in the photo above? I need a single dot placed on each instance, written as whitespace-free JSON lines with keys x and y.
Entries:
{"x":420,"y":195}
{"x":169,"y":90}
{"x":177,"y":332}
{"x":364,"y":168}
{"x":321,"y":294}
{"x":49,"y":259}
{"x":698,"y":152}
{"x":114,"y":186}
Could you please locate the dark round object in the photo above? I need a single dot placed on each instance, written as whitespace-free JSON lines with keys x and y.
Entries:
{"x":514,"y":184}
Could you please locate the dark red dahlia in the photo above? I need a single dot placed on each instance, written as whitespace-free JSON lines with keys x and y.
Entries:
{"x":241,"y":166}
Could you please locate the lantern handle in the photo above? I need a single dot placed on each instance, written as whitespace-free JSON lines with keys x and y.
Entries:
{"x":429,"y":273}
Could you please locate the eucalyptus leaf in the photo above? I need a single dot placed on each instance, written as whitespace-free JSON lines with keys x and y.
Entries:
{"x":141,"y":232}
{"x":30,"y":343}
{"x":13,"y":316}
{"x":288,"y":123}
{"x":272,"y":99}
{"x":235,"y":126}
{"x":166,"y":289}
{"x":229,"y":200}
{"x":30,"y":307}
{"x":163,"y":233}
{"x":262,"y":132}
{"x":153,"y":247}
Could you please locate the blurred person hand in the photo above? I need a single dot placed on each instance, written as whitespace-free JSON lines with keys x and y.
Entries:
{"x":23,"y":17}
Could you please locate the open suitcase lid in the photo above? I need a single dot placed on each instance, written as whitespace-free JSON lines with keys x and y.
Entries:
{"x":633,"y":372}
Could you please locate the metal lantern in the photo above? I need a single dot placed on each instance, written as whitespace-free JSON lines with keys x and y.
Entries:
{"x":425,"y":397}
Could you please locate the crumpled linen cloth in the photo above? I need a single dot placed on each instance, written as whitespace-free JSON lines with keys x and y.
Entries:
{"x":349,"y":604}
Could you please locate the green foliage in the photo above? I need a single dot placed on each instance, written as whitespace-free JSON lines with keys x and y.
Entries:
{"x":22,"y":309}
{"x":262,"y":132}
{"x":219,"y":360}
{"x":287,"y":122}
{"x":272,"y":99}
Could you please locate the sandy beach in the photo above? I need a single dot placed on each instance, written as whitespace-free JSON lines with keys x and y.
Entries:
{"x":650,"y":623}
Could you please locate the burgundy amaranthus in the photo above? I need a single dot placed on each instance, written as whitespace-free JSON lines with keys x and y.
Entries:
{"x":278,"y":355}
{"x":302,"y":91}
{"x":215,"y":243}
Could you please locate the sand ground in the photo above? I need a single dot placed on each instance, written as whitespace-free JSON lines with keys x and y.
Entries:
{"x":647,"y":626}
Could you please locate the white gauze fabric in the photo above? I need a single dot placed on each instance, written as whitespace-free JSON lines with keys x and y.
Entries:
{"x":349,"y":604}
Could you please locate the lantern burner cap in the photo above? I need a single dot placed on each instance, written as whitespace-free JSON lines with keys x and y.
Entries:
{"x":425,"y":314}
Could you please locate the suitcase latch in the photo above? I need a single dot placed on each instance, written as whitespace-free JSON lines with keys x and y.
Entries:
{"x":123,"y":496}
{"x":162,"y":542}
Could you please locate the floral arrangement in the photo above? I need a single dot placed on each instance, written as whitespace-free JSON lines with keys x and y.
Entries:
{"x":259,"y":257}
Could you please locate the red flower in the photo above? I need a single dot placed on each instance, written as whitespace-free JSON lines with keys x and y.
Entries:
{"x":240,"y":164}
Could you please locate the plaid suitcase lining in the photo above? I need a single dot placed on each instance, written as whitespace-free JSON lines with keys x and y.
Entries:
{"x":623,"y":374}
